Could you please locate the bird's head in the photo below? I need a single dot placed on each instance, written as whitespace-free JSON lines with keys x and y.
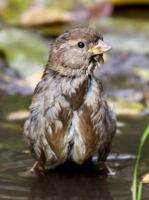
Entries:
{"x":78,"y":52}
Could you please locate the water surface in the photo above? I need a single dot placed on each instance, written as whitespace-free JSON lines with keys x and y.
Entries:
{"x":90,"y":181}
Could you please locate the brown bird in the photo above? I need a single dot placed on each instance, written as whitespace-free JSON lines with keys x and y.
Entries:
{"x":70,"y":118}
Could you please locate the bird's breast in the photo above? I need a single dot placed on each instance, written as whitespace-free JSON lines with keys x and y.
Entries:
{"x":75,"y":123}
{"x":75,"y":89}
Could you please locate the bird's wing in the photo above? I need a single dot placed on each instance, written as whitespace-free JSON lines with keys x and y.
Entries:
{"x":47,"y":130}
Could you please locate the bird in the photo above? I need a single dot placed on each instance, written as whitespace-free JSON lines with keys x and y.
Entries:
{"x":70,"y":118}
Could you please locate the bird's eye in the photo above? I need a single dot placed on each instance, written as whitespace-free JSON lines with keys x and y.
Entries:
{"x":81,"y":44}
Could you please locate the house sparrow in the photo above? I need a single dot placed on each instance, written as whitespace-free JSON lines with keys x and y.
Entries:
{"x":70,"y":118}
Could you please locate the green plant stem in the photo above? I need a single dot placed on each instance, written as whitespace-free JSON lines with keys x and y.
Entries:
{"x":143,"y":138}
{"x":139,"y":190}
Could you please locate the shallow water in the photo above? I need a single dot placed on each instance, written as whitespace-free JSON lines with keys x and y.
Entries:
{"x":69,"y":182}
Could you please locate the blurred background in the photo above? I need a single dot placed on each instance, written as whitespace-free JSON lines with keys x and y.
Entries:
{"x":27,"y":29}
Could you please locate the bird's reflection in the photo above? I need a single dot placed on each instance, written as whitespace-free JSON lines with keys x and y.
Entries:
{"x":71,"y":182}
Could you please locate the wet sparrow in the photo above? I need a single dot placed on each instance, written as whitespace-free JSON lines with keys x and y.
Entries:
{"x":70,"y":118}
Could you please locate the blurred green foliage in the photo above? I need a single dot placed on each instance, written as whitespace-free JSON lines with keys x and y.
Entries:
{"x":10,"y":10}
{"x":25,"y":52}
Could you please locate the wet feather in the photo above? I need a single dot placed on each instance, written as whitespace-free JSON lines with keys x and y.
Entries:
{"x":70,"y":117}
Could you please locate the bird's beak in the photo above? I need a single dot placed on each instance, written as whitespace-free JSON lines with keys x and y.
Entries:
{"x":100,"y":48}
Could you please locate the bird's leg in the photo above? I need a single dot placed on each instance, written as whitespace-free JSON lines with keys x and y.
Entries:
{"x":36,"y":170}
{"x":107,"y":167}
{"x":34,"y":166}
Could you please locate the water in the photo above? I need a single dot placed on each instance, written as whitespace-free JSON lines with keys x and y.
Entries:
{"x":70,"y":182}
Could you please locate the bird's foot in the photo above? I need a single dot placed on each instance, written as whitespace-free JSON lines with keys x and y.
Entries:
{"x":34,"y":167}
{"x":108,"y":168}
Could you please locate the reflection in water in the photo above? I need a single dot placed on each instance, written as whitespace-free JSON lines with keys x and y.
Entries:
{"x":71,"y":182}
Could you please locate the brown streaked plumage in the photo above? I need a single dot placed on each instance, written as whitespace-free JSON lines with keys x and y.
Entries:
{"x":70,"y":117}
